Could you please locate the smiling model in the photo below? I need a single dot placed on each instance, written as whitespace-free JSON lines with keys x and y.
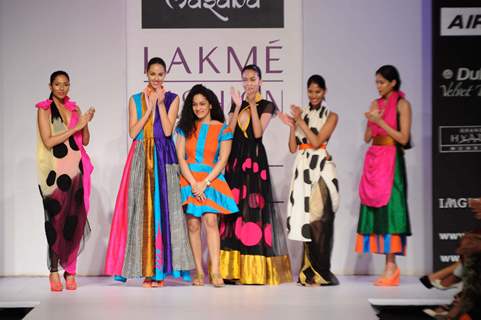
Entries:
{"x":254,"y":248}
{"x":203,"y":146}
{"x":314,"y":190}
{"x":64,"y":170}
{"x":148,"y":235}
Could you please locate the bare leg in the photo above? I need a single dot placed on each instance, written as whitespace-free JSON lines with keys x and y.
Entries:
{"x":213,"y":244}
{"x":450,"y":280}
{"x":443,"y":273}
{"x":391,"y":266}
{"x":193,"y":224}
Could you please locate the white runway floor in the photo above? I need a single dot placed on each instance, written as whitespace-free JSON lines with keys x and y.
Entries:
{"x":103,"y":298}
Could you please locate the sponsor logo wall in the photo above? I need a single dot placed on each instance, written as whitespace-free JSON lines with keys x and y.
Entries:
{"x":456,"y":123}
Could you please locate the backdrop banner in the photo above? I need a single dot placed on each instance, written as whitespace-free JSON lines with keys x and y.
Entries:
{"x":456,"y":126}
{"x":209,"y":42}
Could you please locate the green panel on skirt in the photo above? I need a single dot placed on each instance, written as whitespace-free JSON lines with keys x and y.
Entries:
{"x":392,"y":218}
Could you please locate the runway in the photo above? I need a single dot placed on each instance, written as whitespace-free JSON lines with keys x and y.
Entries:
{"x":103,"y":298}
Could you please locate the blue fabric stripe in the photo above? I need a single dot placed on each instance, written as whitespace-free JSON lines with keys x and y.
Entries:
{"x":365,"y":247}
{"x":179,"y":132}
{"x":387,"y":243}
{"x":198,"y":211}
{"x":138,"y":105}
{"x":211,"y":194}
{"x":199,"y":150}
{"x":201,"y":167}
{"x":120,"y":278}
{"x":185,"y":275}
{"x":225,"y":135}
{"x":220,"y":199}
{"x":157,"y":218}
{"x":387,"y":238}
{"x":159,"y":275}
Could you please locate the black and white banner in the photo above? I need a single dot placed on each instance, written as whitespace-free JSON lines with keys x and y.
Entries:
{"x":456,"y":123}
{"x":176,"y":14}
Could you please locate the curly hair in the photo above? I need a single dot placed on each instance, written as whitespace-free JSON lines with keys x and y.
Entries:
{"x":188,"y":118}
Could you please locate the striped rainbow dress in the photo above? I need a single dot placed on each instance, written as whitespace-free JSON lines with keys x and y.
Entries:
{"x":202,"y":152}
{"x":148,"y":236}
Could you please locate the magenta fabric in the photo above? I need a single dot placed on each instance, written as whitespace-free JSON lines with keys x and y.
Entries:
{"x":379,"y":162}
{"x":114,"y":260}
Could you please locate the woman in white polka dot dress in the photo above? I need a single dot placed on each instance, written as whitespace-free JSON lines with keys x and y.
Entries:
{"x":314,"y":194}
{"x":64,"y":178}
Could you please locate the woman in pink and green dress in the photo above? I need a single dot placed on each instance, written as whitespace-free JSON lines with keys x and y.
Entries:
{"x":384,"y":219}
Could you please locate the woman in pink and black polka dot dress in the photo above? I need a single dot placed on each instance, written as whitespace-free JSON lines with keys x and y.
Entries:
{"x":253,"y":243}
{"x":64,"y":170}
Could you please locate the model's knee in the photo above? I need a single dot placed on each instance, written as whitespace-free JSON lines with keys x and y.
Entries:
{"x":210,"y":222}
{"x":193,"y":225}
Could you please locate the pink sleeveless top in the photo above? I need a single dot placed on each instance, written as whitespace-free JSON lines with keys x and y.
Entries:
{"x":380,"y":160}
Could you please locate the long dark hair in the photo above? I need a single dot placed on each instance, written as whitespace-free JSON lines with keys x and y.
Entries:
{"x":390,"y":73}
{"x":188,"y":118}
{"x":54,"y":75}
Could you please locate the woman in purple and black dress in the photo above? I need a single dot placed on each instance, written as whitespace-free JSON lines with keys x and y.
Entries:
{"x":148,"y":236}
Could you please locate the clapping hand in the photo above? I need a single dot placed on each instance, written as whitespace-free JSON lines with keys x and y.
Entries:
{"x":82,"y":121}
{"x":287,"y":119}
{"x":374,"y":115}
{"x":151,"y":98}
{"x":296,"y":112}
{"x":90,"y":112}
{"x":160,"y":92}
{"x":236,"y":97}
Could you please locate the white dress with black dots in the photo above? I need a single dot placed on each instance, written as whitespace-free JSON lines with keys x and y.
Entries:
{"x":313,"y":200}
{"x":309,"y":167}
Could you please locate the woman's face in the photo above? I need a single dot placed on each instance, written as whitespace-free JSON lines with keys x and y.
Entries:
{"x":60,"y":87}
{"x":251,"y":81}
{"x":384,"y":86}
{"x":315,"y":94}
{"x":201,"y":106}
{"x":156,"y":76}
